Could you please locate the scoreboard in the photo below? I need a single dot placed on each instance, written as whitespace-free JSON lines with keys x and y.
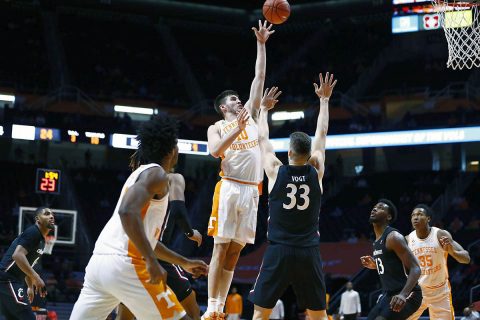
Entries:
{"x":420,"y":15}
{"x":414,"y":15}
{"x":115,"y":140}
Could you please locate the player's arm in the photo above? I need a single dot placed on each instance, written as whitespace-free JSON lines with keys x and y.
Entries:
{"x":452,"y":247}
{"x":30,"y":289}
{"x":218,"y":145}
{"x":396,"y":242}
{"x":36,"y":282}
{"x":151,"y":182}
{"x":323,"y":90}
{"x":270,"y":160}
{"x":195,"y":267}
{"x":262,"y":34}
{"x":178,"y":208}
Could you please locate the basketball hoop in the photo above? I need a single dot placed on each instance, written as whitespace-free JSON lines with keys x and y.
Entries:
{"x":460,"y":22}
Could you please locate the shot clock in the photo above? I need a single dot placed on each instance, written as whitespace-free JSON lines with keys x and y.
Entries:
{"x":48,"y":181}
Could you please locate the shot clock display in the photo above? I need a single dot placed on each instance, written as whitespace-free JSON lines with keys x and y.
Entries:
{"x":48,"y":181}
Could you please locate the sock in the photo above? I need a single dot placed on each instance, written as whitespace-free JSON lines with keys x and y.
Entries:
{"x":212,"y":305}
{"x":227,"y":277}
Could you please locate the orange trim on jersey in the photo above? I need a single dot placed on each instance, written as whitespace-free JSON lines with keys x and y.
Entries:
{"x":213,"y":222}
{"x":437,"y":286}
{"x":164,"y":299}
{"x":260,"y":188}
{"x":241,"y":182}
{"x":452,"y":309}
{"x":132,"y":250}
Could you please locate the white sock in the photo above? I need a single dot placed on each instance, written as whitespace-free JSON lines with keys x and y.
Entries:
{"x":227,"y":277}
{"x":212,"y":305}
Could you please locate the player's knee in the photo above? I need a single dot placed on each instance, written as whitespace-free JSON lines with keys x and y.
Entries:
{"x":219,"y":252}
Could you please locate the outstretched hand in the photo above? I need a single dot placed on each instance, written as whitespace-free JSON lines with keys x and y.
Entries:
{"x":263,"y":32}
{"x":270,"y":97}
{"x":325,"y":88}
{"x":368,"y":262}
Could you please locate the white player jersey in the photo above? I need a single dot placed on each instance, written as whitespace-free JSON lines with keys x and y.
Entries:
{"x":242,"y":161}
{"x":432,"y":259}
{"x":114,"y":240}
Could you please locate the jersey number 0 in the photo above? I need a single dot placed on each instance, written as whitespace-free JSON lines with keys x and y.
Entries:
{"x":293,"y":196}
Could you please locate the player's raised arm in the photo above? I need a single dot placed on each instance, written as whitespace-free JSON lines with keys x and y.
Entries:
{"x":452,"y":247}
{"x":396,"y":242}
{"x":217,"y":144}
{"x":270,"y":161}
{"x":151,"y":182}
{"x":262,"y":33}
{"x":323,"y":90}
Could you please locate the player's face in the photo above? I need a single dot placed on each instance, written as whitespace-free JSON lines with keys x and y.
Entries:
{"x":233,"y":104}
{"x":46,"y":219}
{"x":419,"y":218}
{"x":379,"y":213}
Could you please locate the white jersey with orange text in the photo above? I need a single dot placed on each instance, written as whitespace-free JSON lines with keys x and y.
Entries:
{"x":432,"y":258}
{"x":242,"y":161}
{"x":436,"y":291}
{"x":117,"y":272}
{"x":113,"y":238}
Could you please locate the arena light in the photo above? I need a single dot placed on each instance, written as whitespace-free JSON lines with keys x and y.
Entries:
{"x":7,"y":97}
{"x":474,"y":163}
{"x":23,"y":132}
{"x":1,"y":131}
{"x":392,"y":138}
{"x":130,"y":109}
{"x":287,"y":115}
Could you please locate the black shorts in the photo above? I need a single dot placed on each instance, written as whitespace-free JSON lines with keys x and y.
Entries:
{"x":283,"y":266}
{"x":177,"y":280}
{"x":382,"y":308}
{"x":14,"y":302}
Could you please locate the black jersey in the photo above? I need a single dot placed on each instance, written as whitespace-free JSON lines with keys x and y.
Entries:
{"x":295,"y":207}
{"x":32,"y":240}
{"x":390,"y":268}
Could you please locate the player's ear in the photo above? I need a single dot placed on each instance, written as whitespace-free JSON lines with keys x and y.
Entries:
{"x":223,"y":107}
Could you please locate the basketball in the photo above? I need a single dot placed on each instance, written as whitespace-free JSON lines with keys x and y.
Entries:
{"x":276,"y":11}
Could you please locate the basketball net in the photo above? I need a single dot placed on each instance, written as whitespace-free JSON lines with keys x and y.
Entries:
{"x":50,"y":242}
{"x":460,"y":22}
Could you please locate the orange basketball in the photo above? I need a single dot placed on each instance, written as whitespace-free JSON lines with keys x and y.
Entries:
{"x":276,"y":11}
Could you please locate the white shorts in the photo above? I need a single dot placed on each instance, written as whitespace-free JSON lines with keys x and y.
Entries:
{"x":111,"y":279}
{"x":234,"y":212}
{"x":438,"y":301}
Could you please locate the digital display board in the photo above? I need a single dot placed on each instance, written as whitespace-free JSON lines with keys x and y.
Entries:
{"x":48,"y":181}
{"x":48,"y":134}
{"x":413,"y":16}
{"x":96,"y":138}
